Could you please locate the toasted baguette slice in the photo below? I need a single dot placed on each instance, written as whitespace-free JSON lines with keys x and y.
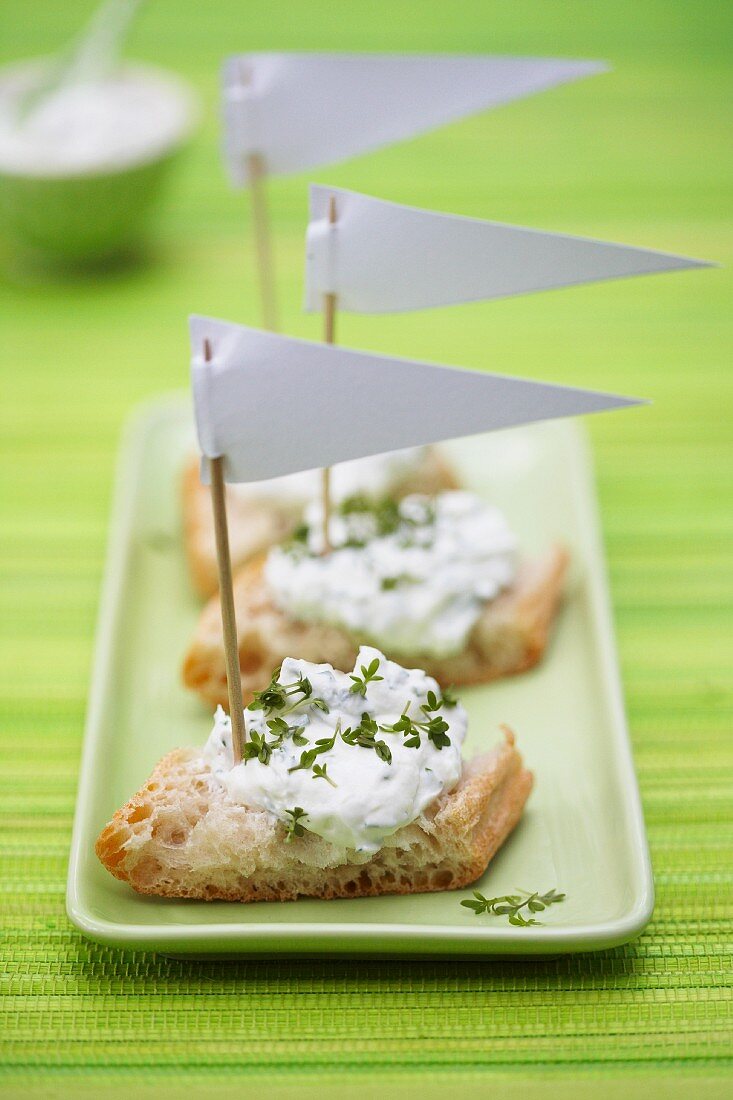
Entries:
{"x":256,"y":523}
{"x":510,"y":636}
{"x":181,"y":836}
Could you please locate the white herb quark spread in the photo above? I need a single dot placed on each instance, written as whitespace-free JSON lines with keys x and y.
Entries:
{"x":373,"y":476}
{"x":365,"y":797}
{"x":412,"y":581}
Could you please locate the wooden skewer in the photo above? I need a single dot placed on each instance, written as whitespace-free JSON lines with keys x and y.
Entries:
{"x":257,"y":173}
{"x":256,"y":169}
{"x":329,"y":337}
{"x":226,"y":594}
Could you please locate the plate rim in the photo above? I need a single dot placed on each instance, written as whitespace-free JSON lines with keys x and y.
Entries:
{"x":341,"y":938}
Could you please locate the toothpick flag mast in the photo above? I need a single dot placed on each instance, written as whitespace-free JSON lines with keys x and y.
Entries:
{"x":228,"y":618}
{"x":256,"y":173}
{"x":329,"y":298}
{"x":284,"y":112}
{"x":329,"y":337}
{"x":252,"y":171}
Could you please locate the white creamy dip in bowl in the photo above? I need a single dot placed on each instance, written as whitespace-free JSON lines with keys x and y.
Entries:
{"x":81,"y":170}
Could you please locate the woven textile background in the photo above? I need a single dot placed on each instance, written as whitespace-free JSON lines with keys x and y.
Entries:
{"x":642,"y":155}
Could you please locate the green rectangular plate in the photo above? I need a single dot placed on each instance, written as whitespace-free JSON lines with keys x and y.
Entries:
{"x":582,"y":831}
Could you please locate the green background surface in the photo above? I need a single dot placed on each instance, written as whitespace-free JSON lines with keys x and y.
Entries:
{"x":642,"y":155}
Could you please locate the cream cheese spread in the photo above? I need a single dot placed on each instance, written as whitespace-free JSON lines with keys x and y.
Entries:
{"x":374,"y":477}
{"x":412,"y":577}
{"x":352,"y":757}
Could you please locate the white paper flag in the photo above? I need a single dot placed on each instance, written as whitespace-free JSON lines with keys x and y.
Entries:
{"x":381,"y":257}
{"x":271,"y":405}
{"x":298,"y":110}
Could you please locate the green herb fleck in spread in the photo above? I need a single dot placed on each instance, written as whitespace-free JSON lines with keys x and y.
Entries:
{"x":366,"y":519}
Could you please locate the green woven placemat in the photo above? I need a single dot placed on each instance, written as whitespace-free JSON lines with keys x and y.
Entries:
{"x":641,"y":156}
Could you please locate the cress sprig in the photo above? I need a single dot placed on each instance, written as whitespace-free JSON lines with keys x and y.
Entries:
{"x":365,"y":736}
{"x":257,"y":746}
{"x":511,"y":905}
{"x":435,"y":727}
{"x":323,"y":744}
{"x":368,"y":676}
{"x":277,"y":696}
{"x":320,"y":771}
{"x":293,"y":827}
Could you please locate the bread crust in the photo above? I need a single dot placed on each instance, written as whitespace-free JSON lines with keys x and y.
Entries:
{"x":181,"y":836}
{"x":510,"y":636}
{"x":255,"y":525}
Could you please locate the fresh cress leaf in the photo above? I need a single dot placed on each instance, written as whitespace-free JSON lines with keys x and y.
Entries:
{"x":293,"y":827}
{"x":511,"y":906}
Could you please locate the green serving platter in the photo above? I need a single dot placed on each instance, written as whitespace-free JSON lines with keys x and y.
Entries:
{"x":582,"y":832}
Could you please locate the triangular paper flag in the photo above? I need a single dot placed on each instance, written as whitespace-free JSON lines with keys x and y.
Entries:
{"x":299,"y":110}
{"x":380,"y":257}
{"x":271,"y":405}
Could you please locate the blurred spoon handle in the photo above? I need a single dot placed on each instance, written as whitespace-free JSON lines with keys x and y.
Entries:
{"x":101,"y":44}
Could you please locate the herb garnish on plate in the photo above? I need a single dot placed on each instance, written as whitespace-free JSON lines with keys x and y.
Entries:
{"x":511,"y":905}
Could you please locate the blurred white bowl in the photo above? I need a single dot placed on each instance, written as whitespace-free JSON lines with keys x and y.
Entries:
{"x":81,"y":175}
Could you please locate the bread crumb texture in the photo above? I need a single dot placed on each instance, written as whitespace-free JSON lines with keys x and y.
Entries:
{"x":182,"y":836}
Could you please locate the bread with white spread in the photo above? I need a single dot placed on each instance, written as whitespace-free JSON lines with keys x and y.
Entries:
{"x":258,"y":520}
{"x":509,"y":637}
{"x":183,"y":836}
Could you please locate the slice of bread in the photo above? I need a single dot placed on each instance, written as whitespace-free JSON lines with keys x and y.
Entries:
{"x":257,"y":523}
{"x":182,"y":836}
{"x":509,"y":637}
